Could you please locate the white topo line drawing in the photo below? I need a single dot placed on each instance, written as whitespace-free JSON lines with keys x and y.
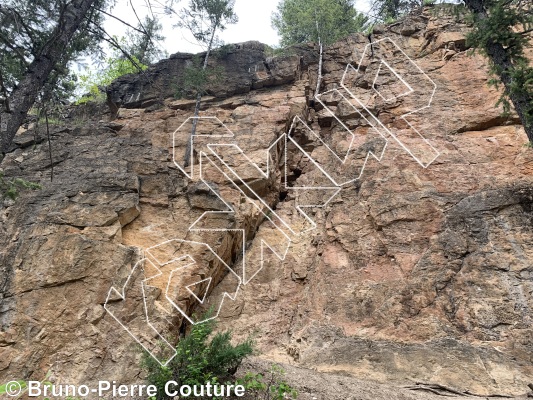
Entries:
{"x":166,"y":266}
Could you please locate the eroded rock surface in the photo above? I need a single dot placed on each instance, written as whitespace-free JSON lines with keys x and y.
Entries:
{"x":411,"y":273}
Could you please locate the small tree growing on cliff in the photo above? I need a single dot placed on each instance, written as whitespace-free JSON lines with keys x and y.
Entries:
{"x":501,"y":29}
{"x":204,"y":18}
{"x":387,"y":10}
{"x":322,"y":21}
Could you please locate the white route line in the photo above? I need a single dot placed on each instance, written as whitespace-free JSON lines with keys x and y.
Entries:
{"x":285,"y":230}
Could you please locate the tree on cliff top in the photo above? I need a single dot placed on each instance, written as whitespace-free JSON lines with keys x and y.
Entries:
{"x":322,"y":21}
{"x":141,"y":41}
{"x":204,"y":18}
{"x":392,"y":9}
{"x":296,"y":21}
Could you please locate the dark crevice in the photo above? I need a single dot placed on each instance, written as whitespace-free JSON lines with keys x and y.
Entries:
{"x":296,"y":173}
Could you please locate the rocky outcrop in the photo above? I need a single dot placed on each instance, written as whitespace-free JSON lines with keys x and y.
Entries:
{"x":412,"y":272}
{"x":240,"y":68}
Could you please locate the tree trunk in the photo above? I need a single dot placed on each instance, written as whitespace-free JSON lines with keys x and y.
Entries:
{"x":522,"y":102}
{"x":23,"y":97}
{"x":319,"y":77}
{"x":188,"y":149}
{"x":319,"y":74}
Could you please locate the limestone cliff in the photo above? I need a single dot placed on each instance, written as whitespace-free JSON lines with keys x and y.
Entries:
{"x":411,"y":264}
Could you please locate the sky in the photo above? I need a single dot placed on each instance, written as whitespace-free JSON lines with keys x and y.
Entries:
{"x":254,"y":23}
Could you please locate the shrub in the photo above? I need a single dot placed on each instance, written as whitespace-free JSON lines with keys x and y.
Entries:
{"x":196,"y":79}
{"x":10,"y":187}
{"x":274,"y":388}
{"x":117,"y":66}
{"x":198,"y":360}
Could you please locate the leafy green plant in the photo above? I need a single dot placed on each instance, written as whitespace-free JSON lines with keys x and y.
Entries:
{"x":223,"y":51}
{"x":10,"y":187}
{"x":272,"y":387}
{"x":499,"y":31}
{"x":92,"y":83}
{"x":198,"y":359}
{"x":4,"y":389}
{"x":302,"y":21}
{"x":196,"y":79}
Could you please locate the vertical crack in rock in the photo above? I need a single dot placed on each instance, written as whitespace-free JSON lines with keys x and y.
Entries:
{"x":411,"y":272}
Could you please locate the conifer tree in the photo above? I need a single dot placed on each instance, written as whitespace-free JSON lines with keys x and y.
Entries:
{"x":37,"y":40}
{"x":501,"y":29}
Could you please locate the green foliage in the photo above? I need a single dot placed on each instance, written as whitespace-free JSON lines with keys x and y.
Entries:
{"x":27,"y":26}
{"x":4,"y":388}
{"x":203,"y":18}
{"x":391,"y":10}
{"x":497,"y":26}
{"x":501,"y":26}
{"x":92,"y":83}
{"x":196,"y":79}
{"x":429,"y":2}
{"x":458,"y":11}
{"x":143,"y":47}
{"x":279,"y":51}
{"x":10,"y":187}
{"x":271,"y":388}
{"x":24,"y":387}
{"x":223,"y":51}
{"x":302,"y":21}
{"x":198,"y":359}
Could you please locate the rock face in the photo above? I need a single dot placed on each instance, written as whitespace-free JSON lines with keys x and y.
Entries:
{"x":241,"y":68}
{"x":414,"y":267}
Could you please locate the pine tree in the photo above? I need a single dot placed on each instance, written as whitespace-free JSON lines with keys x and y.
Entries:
{"x":501,"y":29}
{"x":37,"y":41}
{"x":321,"y":21}
{"x":142,"y":41}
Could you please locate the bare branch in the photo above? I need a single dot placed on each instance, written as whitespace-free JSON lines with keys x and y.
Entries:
{"x":16,"y":49}
{"x":142,"y":26}
{"x":139,"y":20}
{"x":149,"y":4}
{"x":122,"y":21}
{"x":109,"y":39}
{"x":17,"y":19}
